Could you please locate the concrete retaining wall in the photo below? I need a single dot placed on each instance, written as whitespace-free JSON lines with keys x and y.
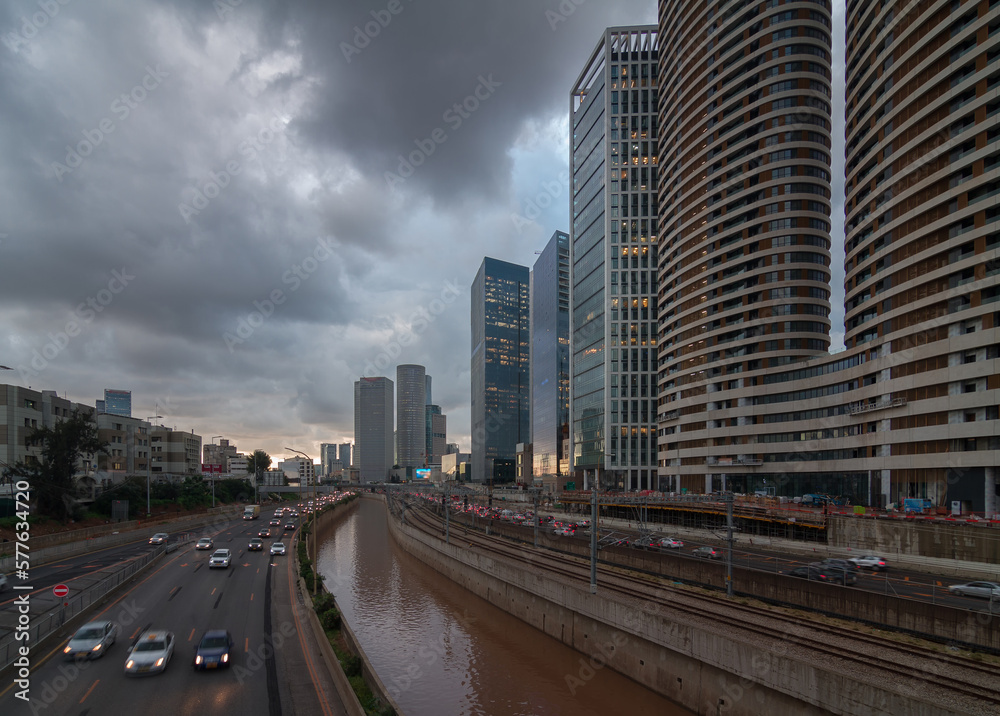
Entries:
{"x":709,"y":669}
{"x":917,"y":537}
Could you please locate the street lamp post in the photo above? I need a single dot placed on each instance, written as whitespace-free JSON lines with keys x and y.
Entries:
{"x":149,"y":460}
{"x":315,"y":554}
{"x":212,"y":475}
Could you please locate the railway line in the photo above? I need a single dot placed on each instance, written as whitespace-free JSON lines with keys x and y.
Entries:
{"x":951,"y":679}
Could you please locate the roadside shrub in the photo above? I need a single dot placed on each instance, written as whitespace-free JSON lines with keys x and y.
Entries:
{"x":353,"y":668}
{"x":330,"y":619}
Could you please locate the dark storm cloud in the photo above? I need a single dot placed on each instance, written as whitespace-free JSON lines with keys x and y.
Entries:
{"x":170,"y":169}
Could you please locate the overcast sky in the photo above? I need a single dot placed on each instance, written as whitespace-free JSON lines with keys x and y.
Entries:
{"x":235,"y":209}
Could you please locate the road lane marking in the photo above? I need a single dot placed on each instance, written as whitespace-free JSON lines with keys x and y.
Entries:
{"x":89,"y":690}
{"x":191,"y":635}
{"x":246,"y":645}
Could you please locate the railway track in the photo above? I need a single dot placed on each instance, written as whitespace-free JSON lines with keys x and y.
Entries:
{"x":906,"y":667}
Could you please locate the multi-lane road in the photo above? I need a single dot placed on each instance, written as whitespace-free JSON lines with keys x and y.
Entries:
{"x":178,"y":593}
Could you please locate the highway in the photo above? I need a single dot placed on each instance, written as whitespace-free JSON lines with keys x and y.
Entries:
{"x":180,"y":594}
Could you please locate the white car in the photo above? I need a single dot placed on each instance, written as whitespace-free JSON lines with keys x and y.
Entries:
{"x":159,"y":538}
{"x":669,"y":543}
{"x":150,"y":654}
{"x":91,"y":640}
{"x":220,"y":558}
{"x":278,"y":548}
{"x":869,"y":561}
{"x":987,"y":590}
{"x":204,"y":543}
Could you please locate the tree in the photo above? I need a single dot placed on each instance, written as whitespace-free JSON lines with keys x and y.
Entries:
{"x":52,"y":477}
{"x":258,"y":463}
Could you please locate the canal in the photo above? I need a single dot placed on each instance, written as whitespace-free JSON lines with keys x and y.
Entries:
{"x":440,"y":649}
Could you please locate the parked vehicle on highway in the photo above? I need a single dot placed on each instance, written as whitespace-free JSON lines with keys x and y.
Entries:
{"x":91,"y":640}
{"x":204,"y":543}
{"x":987,"y":590}
{"x":278,"y":548}
{"x":707,"y":553}
{"x":150,"y":654}
{"x":214,"y":650}
{"x":256,"y":545}
{"x":159,"y":538}
{"x":220,"y":559}
{"x":868,"y":561}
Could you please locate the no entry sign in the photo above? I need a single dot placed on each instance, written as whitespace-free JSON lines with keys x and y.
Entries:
{"x":60,"y":590}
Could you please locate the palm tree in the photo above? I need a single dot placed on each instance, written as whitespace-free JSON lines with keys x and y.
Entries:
{"x":257,"y":464}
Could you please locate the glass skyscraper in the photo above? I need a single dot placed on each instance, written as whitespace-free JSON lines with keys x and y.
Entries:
{"x":550,"y":362}
{"x":500,"y":356}
{"x":411,"y":417}
{"x":373,"y":428}
{"x":613,"y":238}
{"x":118,"y":402}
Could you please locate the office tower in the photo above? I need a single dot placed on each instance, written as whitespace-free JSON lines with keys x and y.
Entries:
{"x":439,"y":438}
{"x":118,"y":402}
{"x":345,"y":455}
{"x":427,"y":390}
{"x":908,"y":409}
{"x":373,"y":434}
{"x":613,"y":250}
{"x":550,"y":362}
{"x":411,"y":416}
{"x":500,"y":387}
{"x":429,"y":412}
{"x":327,"y":456}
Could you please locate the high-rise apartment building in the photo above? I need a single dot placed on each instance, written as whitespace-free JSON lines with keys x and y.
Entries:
{"x":118,"y":402}
{"x":500,"y":380}
{"x":411,"y":416}
{"x":613,"y":255}
{"x":909,"y":409}
{"x":373,"y":433}
{"x":550,"y":363}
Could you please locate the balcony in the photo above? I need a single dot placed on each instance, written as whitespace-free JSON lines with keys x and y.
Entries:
{"x":863,"y":408}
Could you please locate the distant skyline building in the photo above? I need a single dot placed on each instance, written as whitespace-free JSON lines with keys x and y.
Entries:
{"x":430,"y":411}
{"x":327,"y":456}
{"x":427,"y":391}
{"x":373,"y":432}
{"x":613,"y":254}
{"x":118,"y":402}
{"x":345,"y":455}
{"x":500,"y":368}
{"x":411,"y":419}
{"x":439,"y":438}
{"x":550,"y":363}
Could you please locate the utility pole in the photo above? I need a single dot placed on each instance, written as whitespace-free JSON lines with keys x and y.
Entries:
{"x":729,"y":544}
{"x":593,"y":535}
{"x":534,"y":514}
{"x":447,"y":533}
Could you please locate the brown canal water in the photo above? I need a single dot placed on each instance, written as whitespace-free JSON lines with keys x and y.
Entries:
{"x":441,"y":650}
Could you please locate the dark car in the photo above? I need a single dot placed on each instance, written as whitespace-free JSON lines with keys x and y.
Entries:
{"x":214,"y":650}
{"x":809,"y":571}
{"x":840,"y":570}
{"x":266,"y":532}
{"x":707,"y":552}
{"x":822,"y":572}
{"x":289,"y":525}
{"x":256,"y":545}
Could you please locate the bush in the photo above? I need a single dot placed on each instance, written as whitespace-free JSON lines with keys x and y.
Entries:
{"x":330,"y":619}
{"x":353,"y":668}
{"x":323,"y":602}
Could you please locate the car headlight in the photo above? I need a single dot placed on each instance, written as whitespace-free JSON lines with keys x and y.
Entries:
{"x":130,"y":664}
{"x":68,"y":649}
{"x":225,"y":658}
{"x":159,"y":662}
{"x":97,"y":647}
{"x":197,"y":659}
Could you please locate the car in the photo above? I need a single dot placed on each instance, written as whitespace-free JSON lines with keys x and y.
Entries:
{"x":278,"y":548}
{"x":220,"y":558}
{"x":987,"y":590}
{"x":669,"y":543}
{"x":293,"y":513}
{"x":159,"y":538}
{"x":707,"y":553}
{"x":256,"y":545}
{"x":214,"y":650}
{"x":289,"y":525}
{"x":150,"y":654}
{"x":566,"y":531}
{"x":840,"y":570}
{"x":264,"y":532}
{"x":275,"y":523}
{"x":869,"y":561}
{"x":823,"y":572}
{"x":91,"y":640}
{"x":204,"y":543}
{"x":809,"y":571}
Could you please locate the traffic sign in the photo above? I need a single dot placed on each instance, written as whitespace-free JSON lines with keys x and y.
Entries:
{"x":60,"y":590}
